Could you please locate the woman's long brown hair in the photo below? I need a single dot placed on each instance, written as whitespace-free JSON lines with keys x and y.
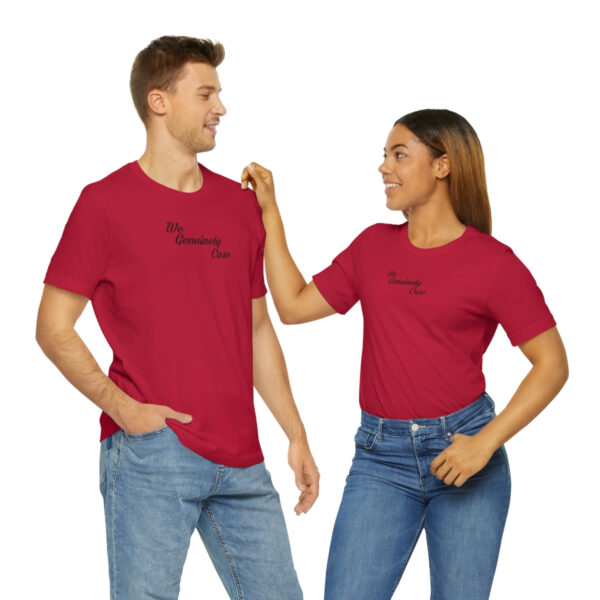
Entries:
{"x":446,"y":132}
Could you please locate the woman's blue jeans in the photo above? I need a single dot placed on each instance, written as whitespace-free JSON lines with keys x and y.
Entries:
{"x":391,"y":496}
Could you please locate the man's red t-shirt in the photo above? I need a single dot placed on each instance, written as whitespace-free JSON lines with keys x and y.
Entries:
{"x":430,"y":314}
{"x":171,"y":276}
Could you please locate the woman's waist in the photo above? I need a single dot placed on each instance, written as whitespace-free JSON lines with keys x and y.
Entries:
{"x":450,"y":421}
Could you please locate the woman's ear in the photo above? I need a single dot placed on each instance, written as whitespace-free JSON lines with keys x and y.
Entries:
{"x":442,"y":166}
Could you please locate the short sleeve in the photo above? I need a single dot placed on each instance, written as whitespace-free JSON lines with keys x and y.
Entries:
{"x":337,"y":283}
{"x":82,"y":255}
{"x":516,"y":301}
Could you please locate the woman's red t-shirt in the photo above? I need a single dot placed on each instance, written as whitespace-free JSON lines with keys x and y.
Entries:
{"x":430,"y":314}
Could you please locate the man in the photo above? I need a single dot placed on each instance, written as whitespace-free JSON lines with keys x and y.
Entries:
{"x":171,"y":255}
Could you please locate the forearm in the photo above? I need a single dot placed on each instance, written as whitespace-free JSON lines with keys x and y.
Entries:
{"x":284,"y":278}
{"x":74,"y":360}
{"x":536,"y":391}
{"x":272,"y":382}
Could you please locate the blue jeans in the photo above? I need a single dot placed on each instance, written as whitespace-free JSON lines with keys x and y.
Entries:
{"x":391,"y":495}
{"x":156,"y":492}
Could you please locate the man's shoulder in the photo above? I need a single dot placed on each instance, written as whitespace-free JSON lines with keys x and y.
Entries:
{"x":110,"y":183}
{"x":221,"y":181}
{"x":222,"y":185}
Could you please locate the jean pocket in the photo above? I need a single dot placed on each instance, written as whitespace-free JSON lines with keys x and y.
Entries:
{"x":145,"y":434}
{"x":365,"y":439}
{"x":473,"y":425}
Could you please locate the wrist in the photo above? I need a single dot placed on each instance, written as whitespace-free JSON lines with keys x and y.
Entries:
{"x":298,"y":436}
{"x":124,"y":409}
{"x":268,"y":206}
{"x":488,"y":441}
{"x":299,"y":441}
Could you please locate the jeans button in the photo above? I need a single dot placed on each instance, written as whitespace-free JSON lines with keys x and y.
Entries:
{"x":414,"y":427}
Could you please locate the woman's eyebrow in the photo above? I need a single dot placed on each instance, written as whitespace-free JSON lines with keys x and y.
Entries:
{"x":396,"y":146}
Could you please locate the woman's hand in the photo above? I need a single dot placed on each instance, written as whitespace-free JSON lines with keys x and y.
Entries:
{"x":261,"y":180}
{"x":462,"y":459}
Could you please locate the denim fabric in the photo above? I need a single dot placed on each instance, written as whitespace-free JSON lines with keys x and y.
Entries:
{"x":156,"y":492}
{"x":391,"y":496}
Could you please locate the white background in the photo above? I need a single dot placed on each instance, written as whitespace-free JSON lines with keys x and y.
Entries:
{"x":312,"y":90}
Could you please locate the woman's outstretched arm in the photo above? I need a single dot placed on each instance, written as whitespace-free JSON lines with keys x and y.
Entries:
{"x":295,"y":300}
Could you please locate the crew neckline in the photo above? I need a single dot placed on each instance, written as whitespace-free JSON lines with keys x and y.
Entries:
{"x":436,"y":249}
{"x":159,"y":187}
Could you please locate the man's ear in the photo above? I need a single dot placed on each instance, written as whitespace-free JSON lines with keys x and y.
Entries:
{"x":157,"y":102}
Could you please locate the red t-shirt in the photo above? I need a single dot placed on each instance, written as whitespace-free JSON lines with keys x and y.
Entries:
{"x":171,"y":276}
{"x":429,"y":315}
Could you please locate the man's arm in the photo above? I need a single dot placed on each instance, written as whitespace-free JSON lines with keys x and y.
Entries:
{"x":55,"y":333}
{"x":272,"y":383}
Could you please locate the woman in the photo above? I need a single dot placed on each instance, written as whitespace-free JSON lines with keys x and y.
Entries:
{"x":429,"y":450}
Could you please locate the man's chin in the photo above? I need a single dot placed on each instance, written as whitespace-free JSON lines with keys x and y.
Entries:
{"x":205,"y":147}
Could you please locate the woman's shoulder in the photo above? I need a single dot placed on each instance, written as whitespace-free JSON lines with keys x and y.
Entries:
{"x":380,"y":229}
{"x":378,"y":232}
{"x":487,"y":243}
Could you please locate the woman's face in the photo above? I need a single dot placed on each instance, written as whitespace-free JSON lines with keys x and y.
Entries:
{"x":409,"y":172}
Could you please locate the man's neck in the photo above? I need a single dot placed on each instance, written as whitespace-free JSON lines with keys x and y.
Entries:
{"x":177,"y":171}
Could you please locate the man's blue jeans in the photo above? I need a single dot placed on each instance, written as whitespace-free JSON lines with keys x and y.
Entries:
{"x":156,"y":492}
{"x":391,"y":495}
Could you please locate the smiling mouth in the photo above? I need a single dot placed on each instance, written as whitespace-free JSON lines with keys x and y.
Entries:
{"x":390,"y":187}
{"x":212,"y":128}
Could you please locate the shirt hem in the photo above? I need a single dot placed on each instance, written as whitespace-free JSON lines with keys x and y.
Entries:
{"x":532,"y":331}
{"x":227,"y":460}
{"x":329,"y":295}
{"x":68,"y":284}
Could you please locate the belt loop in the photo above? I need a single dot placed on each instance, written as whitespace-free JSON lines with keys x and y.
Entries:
{"x":443,"y":421}
{"x":108,"y":441}
{"x":379,"y":428}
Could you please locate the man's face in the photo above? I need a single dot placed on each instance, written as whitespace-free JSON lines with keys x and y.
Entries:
{"x":194,"y":110}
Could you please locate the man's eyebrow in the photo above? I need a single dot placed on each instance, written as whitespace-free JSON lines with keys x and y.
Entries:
{"x":208,"y":87}
{"x":397,"y":146}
